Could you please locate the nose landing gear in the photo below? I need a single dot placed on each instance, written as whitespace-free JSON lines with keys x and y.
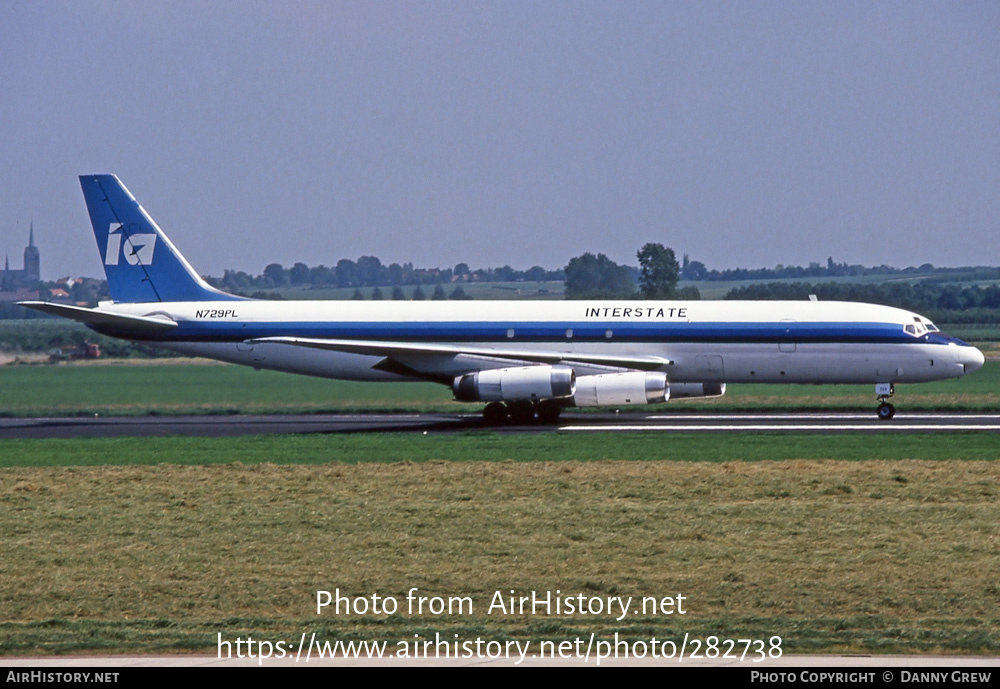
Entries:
{"x":885,"y":410}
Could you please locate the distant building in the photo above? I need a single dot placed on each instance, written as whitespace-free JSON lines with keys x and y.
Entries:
{"x":29,"y":276}
{"x":19,"y":295}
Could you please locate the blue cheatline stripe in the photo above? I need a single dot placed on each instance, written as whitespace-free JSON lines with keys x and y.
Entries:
{"x":555,"y":332}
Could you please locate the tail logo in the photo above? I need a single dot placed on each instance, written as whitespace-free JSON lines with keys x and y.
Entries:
{"x":138,"y":247}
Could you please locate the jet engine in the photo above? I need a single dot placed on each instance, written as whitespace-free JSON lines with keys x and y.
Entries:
{"x":512,"y":384}
{"x":634,"y":387}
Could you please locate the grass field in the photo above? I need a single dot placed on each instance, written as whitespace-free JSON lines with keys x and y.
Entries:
{"x":848,"y":543}
{"x":185,"y":388}
{"x":896,"y":556}
{"x":368,"y":448}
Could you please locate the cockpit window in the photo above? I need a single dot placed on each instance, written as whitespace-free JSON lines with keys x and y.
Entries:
{"x":917,"y":328}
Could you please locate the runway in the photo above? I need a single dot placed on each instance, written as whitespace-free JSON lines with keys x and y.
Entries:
{"x":801,"y":423}
{"x":240,"y":425}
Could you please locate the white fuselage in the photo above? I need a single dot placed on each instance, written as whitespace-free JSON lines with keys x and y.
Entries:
{"x":699,"y":341}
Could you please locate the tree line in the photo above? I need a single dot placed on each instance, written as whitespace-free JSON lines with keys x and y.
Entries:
{"x":590,"y":276}
{"x":369,"y":271}
{"x":586,"y":276}
{"x":947,"y":302}
{"x":418,"y":294}
{"x":696,"y":271}
{"x":598,"y":277}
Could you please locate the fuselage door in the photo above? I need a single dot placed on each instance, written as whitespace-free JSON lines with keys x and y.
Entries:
{"x":709,"y":368}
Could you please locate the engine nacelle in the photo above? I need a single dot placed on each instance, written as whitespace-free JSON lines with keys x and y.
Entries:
{"x":679,"y":391}
{"x":634,"y":387}
{"x":510,"y":384}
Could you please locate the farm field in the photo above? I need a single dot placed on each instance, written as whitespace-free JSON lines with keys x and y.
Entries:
{"x":869,"y":556}
{"x":717,"y":289}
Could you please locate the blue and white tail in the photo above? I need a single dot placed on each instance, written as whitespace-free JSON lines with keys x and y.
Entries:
{"x":142,"y":265}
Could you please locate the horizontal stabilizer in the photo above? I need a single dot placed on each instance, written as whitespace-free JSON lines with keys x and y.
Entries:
{"x":389,"y":349}
{"x":106,"y":319}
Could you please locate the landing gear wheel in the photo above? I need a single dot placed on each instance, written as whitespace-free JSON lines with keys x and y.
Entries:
{"x":495,"y":414}
{"x":886,"y":411}
{"x":522,"y":413}
{"x":884,"y":391}
{"x":548,"y":412}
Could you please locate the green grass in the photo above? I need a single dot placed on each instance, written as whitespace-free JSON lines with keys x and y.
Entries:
{"x":184,"y":388}
{"x":871,"y":556}
{"x":491,"y":447}
{"x":181,"y":388}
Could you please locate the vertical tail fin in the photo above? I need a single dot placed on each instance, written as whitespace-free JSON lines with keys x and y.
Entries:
{"x":141,"y":263}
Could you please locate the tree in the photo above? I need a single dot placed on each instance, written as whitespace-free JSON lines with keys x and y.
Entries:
{"x":346,"y":272}
{"x":321,"y":275}
{"x":689,"y":293}
{"x":276,"y":274}
{"x":694,"y":270}
{"x":658,"y":272}
{"x":299,"y":274}
{"x":590,"y":277}
{"x":504,"y":274}
{"x":535,"y":274}
{"x":439,"y":294}
{"x":370,"y":271}
{"x":394,"y":274}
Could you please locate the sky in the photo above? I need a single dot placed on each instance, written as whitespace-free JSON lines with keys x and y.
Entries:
{"x":744,"y":134}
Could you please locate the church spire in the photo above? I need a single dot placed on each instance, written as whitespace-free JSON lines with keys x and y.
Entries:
{"x":32,"y":264}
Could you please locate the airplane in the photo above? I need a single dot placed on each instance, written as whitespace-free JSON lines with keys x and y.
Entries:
{"x":525,"y":360}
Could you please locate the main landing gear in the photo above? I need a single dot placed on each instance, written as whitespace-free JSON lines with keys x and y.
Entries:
{"x":521,"y":412}
{"x":885,"y":410}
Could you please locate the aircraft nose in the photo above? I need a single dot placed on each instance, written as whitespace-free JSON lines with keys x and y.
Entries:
{"x":972,"y":359}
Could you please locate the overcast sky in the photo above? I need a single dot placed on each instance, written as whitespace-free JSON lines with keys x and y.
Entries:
{"x":523,"y":133}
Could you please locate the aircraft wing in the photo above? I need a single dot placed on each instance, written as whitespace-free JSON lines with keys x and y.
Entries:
{"x":107,"y":319}
{"x":407,"y":353}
